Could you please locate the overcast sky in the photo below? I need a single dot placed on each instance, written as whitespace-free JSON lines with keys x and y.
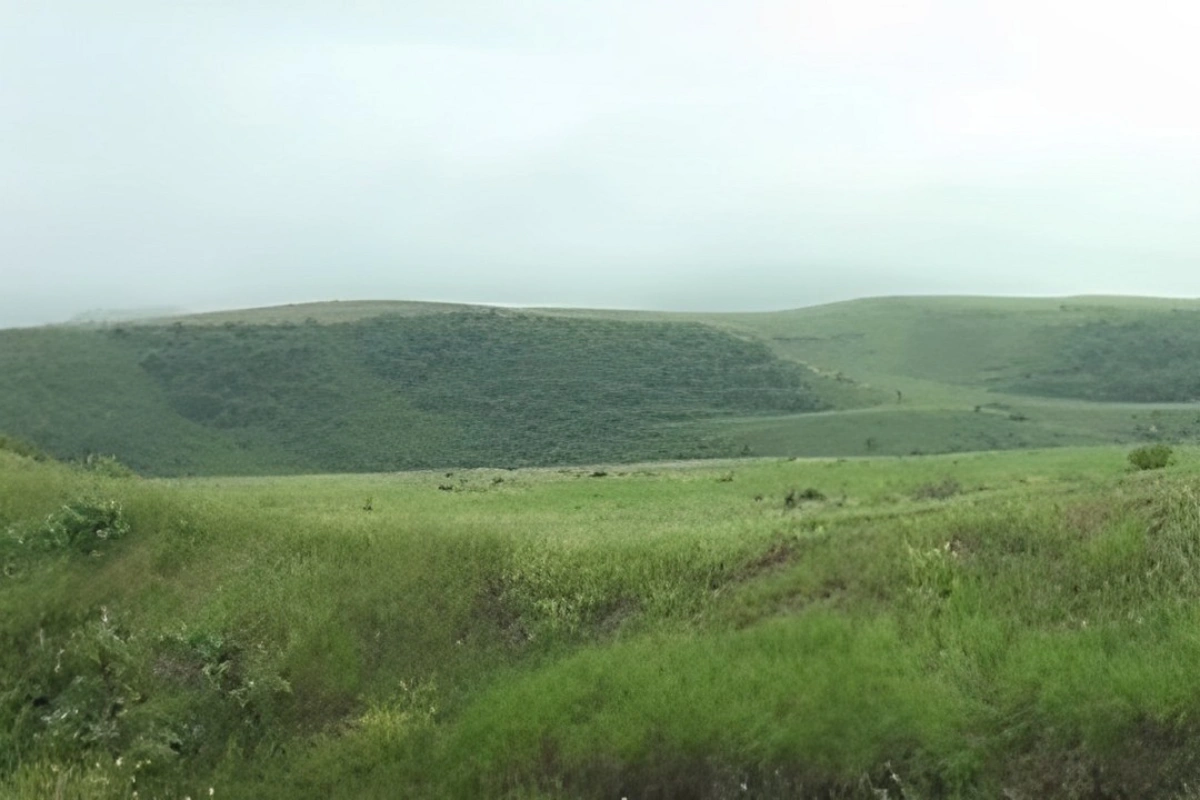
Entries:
{"x":686,"y":154}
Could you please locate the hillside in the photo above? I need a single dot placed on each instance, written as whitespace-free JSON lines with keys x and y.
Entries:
{"x":970,"y":373}
{"x":994,"y":625}
{"x":1143,"y":358}
{"x":1084,"y":348}
{"x":364,"y":386}
{"x":943,"y":345}
{"x":389,"y":392}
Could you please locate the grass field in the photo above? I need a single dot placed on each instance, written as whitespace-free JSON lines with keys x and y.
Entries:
{"x":977,"y":625}
{"x":1017,"y":423}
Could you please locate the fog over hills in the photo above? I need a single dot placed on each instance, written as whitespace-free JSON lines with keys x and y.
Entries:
{"x":714,"y":156}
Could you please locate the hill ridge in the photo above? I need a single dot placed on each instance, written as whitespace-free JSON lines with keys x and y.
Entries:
{"x":944,"y":374}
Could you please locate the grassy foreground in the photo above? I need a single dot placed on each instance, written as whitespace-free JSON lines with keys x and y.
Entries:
{"x":1018,"y":625}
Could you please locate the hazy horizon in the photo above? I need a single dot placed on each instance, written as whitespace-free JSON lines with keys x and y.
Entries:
{"x":103,"y":315}
{"x":657,"y":154}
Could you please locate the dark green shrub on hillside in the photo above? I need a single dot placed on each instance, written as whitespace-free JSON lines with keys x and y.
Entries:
{"x":82,"y":525}
{"x":241,"y":678}
{"x":138,"y":705}
{"x":21,"y":448}
{"x":796,"y":497}
{"x":1152,"y":359}
{"x":109,"y":466}
{"x":943,"y":490}
{"x":1154,"y":456}
{"x":80,"y":685}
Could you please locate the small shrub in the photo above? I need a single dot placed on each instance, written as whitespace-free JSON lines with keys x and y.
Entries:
{"x":1154,"y":456}
{"x":938,"y":491}
{"x":108,"y":466}
{"x":84,"y":698}
{"x":245,"y":676}
{"x":21,"y":448}
{"x":795,"y":497}
{"x":82,"y":525}
{"x":933,"y":572}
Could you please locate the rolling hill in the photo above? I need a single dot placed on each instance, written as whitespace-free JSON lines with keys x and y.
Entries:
{"x":388,"y":392}
{"x":369,"y":386}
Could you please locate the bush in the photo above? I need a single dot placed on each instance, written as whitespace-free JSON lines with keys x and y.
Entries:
{"x":938,"y":491}
{"x":108,"y":466}
{"x":795,"y":498}
{"x":82,"y":525}
{"x":1154,"y":456}
{"x":21,"y":448}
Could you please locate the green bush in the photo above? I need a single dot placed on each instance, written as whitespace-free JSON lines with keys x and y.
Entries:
{"x":947,"y":488}
{"x":82,"y":525}
{"x":1151,"y":457}
{"x":109,"y":466}
{"x":21,"y":448}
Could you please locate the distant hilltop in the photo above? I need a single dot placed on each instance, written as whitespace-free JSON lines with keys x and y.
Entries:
{"x":98,"y":316}
{"x":377,"y":386}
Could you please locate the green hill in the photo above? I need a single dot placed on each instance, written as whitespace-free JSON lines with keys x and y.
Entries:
{"x":930,"y":347}
{"x":936,"y":345}
{"x":968,"y":373}
{"x":1143,"y":358}
{"x":388,"y":392}
{"x":364,"y":386}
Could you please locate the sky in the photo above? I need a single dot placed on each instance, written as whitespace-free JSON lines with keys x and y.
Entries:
{"x":670,"y":154}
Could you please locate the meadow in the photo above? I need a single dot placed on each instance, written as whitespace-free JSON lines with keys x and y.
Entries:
{"x":1009,"y":624}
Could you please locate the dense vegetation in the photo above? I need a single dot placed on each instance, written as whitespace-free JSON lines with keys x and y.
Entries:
{"x":1019,"y":625}
{"x":1151,"y":359}
{"x":1105,"y":348}
{"x":384,"y":386}
{"x":76,"y":392}
{"x":486,"y":388}
{"x":389,"y":392}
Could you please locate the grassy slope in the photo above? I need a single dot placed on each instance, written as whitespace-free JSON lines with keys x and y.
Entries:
{"x":949,"y":355}
{"x":75,"y":392}
{"x":932,"y":348}
{"x":935,"y":349}
{"x":388,"y":392}
{"x":972,"y":373}
{"x":658,"y":632}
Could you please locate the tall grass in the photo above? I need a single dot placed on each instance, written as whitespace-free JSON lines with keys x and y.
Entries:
{"x":656,"y":632}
